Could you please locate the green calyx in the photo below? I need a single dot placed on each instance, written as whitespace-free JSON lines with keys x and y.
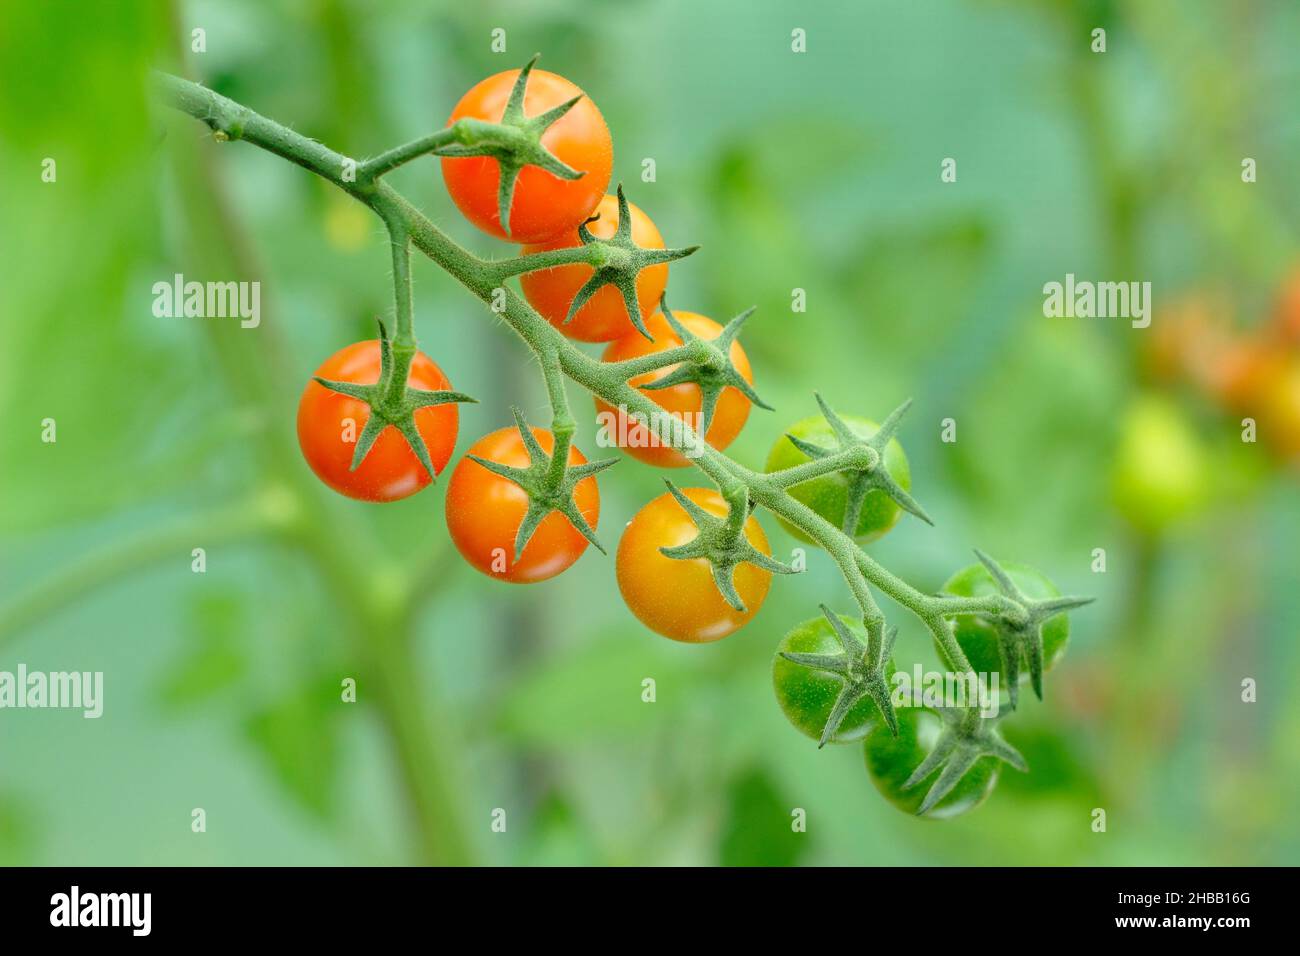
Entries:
{"x":866,"y":471}
{"x":1020,"y":627}
{"x":549,"y":481}
{"x":862,"y":668}
{"x":722,"y":542}
{"x":709,"y":366}
{"x":393,"y":402}
{"x":514,"y":142}
{"x":619,"y":262}
{"x":966,"y":737}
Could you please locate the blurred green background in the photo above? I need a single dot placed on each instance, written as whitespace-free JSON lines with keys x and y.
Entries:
{"x":818,"y":171}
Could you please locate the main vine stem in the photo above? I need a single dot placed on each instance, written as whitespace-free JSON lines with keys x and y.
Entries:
{"x":362,"y":180}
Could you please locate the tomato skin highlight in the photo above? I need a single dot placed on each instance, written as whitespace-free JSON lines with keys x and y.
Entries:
{"x":979,"y":639}
{"x":677,"y":598}
{"x":890,"y":761}
{"x":828,"y":495}
{"x":806,"y":696}
{"x":543,"y":205}
{"x":684,"y":399}
{"x":390,"y":470}
{"x":484,"y":511}
{"x":603,"y":317}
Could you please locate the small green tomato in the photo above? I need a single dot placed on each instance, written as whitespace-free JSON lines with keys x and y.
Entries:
{"x":977,"y":635}
{"x":828,"y":494}
{"x":890,"y":761}
{"x":807,"y":695}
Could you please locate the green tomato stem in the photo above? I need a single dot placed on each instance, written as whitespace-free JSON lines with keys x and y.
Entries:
{"x":813,"y":468}
{"x":502,"y":269}
{"x":403,"y":344}
{"x":386,"y":162}
{"x":562,"y":422}
{"x":631,"y":368}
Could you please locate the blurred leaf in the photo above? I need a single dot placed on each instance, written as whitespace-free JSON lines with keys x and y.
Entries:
{"x":215,"y":660}
{"x":594,"y":691}
{"x":1034,"y":428}
{"x":80,"y":253}
{"x":911,"y":286}
{"x":1055,"y":766}
{"x":298,"y":735}
{"x":558,"y":837}
{"x":758,"y":830}
{"x":16,"y":827}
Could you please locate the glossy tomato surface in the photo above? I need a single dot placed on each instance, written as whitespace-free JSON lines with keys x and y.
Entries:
{"x":329,"y":425}
{"x":604,"y":316}
{"x":807,"y":696}
{"x":484,"y":511}
{"x":977,"y":635}
{"x":828,"y":495}
{"x":677,"y":598}
{"x":890,"y":761}
{"x":543,"y":205}
{"x":682,"y":401}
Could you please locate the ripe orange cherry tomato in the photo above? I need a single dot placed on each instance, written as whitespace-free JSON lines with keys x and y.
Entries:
{"x":544,"y":205}
{"x":677,"y":598}
{"x":604,"y":316}
{"x":681,"y":400}
{"x":484,"y":511}
{"x":330,"y":423}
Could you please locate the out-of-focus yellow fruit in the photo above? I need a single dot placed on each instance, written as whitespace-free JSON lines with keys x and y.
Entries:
{"x":1160,"y":472}
{"x":348,"y":225}
{"x":1279,"y":409}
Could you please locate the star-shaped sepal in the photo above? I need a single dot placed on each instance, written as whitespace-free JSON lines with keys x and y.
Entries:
{"x":622,"y":261}
{"x":873,"y":474}
{"x":864,"y":669}
{"x":515,"y":142}
{"x":549,"y":482}
{"x":966,"y":737}
{"x":392,"y":406}
{"x":710,"y":366}
{"x":1020,"y":628}
{"x":722,"y":542}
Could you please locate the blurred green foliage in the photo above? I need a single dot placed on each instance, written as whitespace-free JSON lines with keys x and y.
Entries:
{"x":817,"y":171}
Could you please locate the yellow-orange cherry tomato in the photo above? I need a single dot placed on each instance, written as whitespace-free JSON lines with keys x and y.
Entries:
{"x":543,"y":204}
{"x":681,"y":400}
{"x":484,"y":511}
{"x":604,"y":316}
{"x":329,"y":424}
{"x":678,"y":598}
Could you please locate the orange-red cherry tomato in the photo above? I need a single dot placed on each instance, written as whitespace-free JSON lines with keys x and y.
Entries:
{"x":682,"y":400}
{"x":543,"y":205}
{"x":603,"y":317}
{"x":330,"y":423}
{"x":484,"y":511}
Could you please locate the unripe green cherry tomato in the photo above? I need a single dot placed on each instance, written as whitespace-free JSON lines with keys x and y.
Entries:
{"x":891,"y":760}
{"x":828,"y":495}
{"x":1159,"y":476}
{"x":805,"y":695}
{"x":979,"y":638}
